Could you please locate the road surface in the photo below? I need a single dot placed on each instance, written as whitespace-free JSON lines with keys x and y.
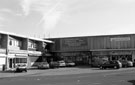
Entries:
{"x":105,"y":77}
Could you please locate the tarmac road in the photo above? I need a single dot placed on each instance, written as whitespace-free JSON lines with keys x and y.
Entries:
{"x":73,"y":76}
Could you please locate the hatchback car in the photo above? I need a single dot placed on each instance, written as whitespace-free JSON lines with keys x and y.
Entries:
{"x":126,"y":63}
{"x":54,"y":64}
{"x":69,"y":63}
{"x":130,"y":64}
{"x":21,"y":68}
{"x":62,"y":63}
{"x":110,"y":64}
{"x":43,"y":65}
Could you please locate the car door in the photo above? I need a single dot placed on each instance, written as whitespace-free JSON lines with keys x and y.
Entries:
{"x":112,"y":64}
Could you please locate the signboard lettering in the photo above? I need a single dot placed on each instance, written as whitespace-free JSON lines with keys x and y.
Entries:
{"x":75,"y":42}
{"x":120,"y":39}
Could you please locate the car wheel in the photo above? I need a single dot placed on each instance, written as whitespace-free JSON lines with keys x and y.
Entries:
{"x":118,"y":67}
{"x":101,"y":67}
{"x":25,"y":70}
{"x":115,"y":67}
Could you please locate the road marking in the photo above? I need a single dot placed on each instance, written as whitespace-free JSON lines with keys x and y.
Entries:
{"x":78,"y":81}
{"x":122,"y":80}
{"x":96,"y":83}
{"x":38,"y":79}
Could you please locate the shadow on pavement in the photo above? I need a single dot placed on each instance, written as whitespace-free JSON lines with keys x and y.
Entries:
{"x":132,"y":81}
{"x":11,"y":72}
{"x":83,"y":66}
{"x":94,"y":68}
{"x":7,"y":71}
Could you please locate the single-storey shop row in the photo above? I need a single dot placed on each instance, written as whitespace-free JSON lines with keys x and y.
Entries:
{"x":94,"y":49}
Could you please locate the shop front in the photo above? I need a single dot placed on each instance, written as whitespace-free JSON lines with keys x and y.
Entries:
{"x":2,"y":58}
{"x":80,"y":57}
{"x":99,"y":57}
{"x":2,"y":61}
{"x":14,"y":59}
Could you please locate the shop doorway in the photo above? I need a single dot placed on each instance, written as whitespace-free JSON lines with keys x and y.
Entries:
{"x":11,"y":62}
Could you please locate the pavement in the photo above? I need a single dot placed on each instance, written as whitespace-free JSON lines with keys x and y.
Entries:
{"x":58,"y":71}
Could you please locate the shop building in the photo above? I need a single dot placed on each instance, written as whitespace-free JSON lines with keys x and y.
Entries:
{"x":20,"y":49}
{"x":95,"y":49}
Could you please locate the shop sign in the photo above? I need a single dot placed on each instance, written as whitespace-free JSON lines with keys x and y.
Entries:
{"x":34,"y":53}
{"x":99,"y":53}
{"x":23,"y":55}
{"x":120,"y":53}
{"x":120,"y":39}
{"x":112,"y":53}
{"x":74,"y":42}
{"x":18,"y":51}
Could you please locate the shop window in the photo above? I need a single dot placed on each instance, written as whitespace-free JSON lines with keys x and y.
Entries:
{"x":21,"y":60}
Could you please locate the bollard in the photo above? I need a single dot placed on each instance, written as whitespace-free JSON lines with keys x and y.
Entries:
{"x":3,"y":68}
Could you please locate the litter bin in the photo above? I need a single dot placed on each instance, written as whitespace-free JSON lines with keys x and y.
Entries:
{"x":3,"y":67}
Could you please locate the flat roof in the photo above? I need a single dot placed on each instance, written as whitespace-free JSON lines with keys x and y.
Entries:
{"x":91,"y":36}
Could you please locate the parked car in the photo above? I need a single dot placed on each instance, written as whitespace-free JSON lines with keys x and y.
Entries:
{"x":126,"y":63}
{"x":130,"y":64}
{"x":21,"y":68}
{"x":43,"y":65}
{"x":134,"y":63}
{"x":69,"y":63}
{"x":54,"y":64}
{"x":110,"y":64}
{"x":62,"y":63}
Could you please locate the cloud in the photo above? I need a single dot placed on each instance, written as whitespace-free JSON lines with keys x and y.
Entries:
{"x":2,"y":17}
{"x":123,"y":1}
{"x":51,"y":11}
{"x":26,"y":6}
{"x":50,"y":20}
{"x":5,"y":10}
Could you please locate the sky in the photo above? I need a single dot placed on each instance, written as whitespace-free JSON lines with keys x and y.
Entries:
{"x":67,"y":18}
